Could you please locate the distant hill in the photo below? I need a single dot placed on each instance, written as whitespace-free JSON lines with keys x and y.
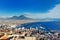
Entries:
{"x":24,"y":17}
{"x":21,"y":17}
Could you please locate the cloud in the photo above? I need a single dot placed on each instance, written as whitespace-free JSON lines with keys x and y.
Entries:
{"x":53,"y":13}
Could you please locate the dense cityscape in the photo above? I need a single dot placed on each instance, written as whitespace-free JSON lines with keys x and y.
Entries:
{"x":10,"y":32}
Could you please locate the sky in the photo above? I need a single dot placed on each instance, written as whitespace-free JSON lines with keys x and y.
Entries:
{"x":31,"y":8}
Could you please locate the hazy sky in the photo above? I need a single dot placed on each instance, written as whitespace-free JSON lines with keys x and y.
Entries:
{"x":33,"y":8}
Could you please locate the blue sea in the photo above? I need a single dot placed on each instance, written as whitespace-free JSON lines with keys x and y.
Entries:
{"x":50,"y":25}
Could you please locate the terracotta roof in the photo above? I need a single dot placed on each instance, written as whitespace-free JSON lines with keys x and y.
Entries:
{"x":4,"y":37}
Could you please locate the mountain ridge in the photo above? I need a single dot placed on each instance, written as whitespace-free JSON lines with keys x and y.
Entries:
{"x":21,"y":17}
{"x":24,"y":17}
